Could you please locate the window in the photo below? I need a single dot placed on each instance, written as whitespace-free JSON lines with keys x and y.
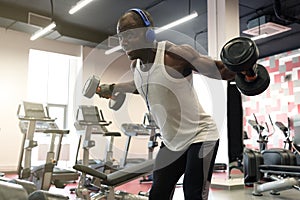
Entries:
{"x":51,"y":81}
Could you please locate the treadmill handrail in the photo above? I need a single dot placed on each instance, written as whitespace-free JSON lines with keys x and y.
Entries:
{"x":85,"y":123}
{"x":46,"y":119}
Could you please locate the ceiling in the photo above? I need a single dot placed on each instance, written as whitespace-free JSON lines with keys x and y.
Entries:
{"x":95,"y":22}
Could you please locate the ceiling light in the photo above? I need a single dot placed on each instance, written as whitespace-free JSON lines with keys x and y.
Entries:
{"x":79,"y":5}
{"x":177,"y":22}
{"x":161,"y":29}
{"x":43,"y":31}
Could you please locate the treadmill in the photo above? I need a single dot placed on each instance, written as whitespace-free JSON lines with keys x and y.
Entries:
{"x":37,"y":120}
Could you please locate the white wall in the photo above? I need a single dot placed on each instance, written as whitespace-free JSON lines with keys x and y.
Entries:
{"x":14,"y":51}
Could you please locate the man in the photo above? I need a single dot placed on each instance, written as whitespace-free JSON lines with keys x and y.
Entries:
{"x":163,"y":77}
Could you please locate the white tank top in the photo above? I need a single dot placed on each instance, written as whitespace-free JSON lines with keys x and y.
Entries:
{"x":174,"y":105}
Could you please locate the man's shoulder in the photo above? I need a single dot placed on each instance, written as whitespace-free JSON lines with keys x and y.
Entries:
{"x":172,"y":47}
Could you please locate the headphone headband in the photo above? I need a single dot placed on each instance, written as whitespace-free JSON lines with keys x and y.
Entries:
{"x":150,"y":34}
{"x":142,"y":15}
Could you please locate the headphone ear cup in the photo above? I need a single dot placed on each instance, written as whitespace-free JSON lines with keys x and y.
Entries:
{"x":150,"y":35}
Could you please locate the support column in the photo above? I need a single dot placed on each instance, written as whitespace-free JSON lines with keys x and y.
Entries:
{"x":223,"y":25}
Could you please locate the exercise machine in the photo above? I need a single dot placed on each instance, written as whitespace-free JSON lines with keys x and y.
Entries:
{"x":260,"y":129}
{"x":252,"y":159}
{"x":283,"y":177}
{"x":286,"y":132}
{"x":25,"y":190}
{"x":276,"y":169}
{"x":90,"y":121}
{"x":280,"y":156}
{"x":292,"y":144}
{"x":37,"y":120}
{"x":17,"y":189}
{"x":108,"y":182}
{"x":149,"y":129}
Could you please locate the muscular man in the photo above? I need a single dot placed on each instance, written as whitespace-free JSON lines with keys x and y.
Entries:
{"x":163,"y":77}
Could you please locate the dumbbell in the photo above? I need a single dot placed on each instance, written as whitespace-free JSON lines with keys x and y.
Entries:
{"x":92,"y":86}
{"x":240,"y":55}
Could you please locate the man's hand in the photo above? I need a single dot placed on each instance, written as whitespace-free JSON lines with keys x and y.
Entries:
{"x":105,"y":90}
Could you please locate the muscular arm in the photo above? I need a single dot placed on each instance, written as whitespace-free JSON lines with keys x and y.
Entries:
{"x":200,"y":63}
{"x":126,"y":87}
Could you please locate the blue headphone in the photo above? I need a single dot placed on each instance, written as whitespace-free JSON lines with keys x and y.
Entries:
{"x":150,"y":34}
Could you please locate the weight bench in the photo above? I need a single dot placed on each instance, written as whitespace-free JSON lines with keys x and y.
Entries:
{"x":284,"y":177}
{"x":119,"y":177}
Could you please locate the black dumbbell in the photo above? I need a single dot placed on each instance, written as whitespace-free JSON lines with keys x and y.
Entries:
{"x":240,"y":55}
{"x":92,"y":86}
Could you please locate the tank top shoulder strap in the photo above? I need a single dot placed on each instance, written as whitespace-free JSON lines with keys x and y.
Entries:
{"x":160,"y":53}
{"x":138,"y":64}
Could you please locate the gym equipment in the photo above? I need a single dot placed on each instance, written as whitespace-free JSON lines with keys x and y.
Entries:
{"x":281,"y":156}
{"x":24,"y":190}
{"x":112,"y":180}
{"x":132,"y":130}
{"x":150,"y":34}
{"x":278,"y":156}
{"x":36,"y":120}
{"x":252,"y":159}
{"x":290,"y":144}
{"x":240,"y":55}
{"x":286,"y":132}
{"x":12,"y":191}
{"x":284,"y":177}
{"x":148,"y":128}
{"x":150,"y":124}
{"x":262,"y":139}
{"x":296,"y":147}
{"x":274,"y":164}
{"x":92,"y":86}
{"x":30,"y":187}
{"x":90,"y":121}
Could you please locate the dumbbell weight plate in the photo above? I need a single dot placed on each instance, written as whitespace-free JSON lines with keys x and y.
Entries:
{"x":256,"y":87}
{"x":90,"y":86}
{"x":116,"y":100}
{"x":239,"y":54}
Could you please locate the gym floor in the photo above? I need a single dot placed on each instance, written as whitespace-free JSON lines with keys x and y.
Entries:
{"x":244,"y":193}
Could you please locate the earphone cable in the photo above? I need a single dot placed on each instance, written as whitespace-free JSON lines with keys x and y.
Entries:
{"x":145,"y":93}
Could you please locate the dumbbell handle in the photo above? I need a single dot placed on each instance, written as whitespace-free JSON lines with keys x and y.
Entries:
{"x":105,"y":91}
{"x":249,"y":75}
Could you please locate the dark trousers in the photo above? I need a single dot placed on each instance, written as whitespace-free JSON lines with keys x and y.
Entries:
{"x":196,"y":163}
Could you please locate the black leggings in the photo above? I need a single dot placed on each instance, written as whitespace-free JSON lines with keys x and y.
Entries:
{"x":196,"y":163}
